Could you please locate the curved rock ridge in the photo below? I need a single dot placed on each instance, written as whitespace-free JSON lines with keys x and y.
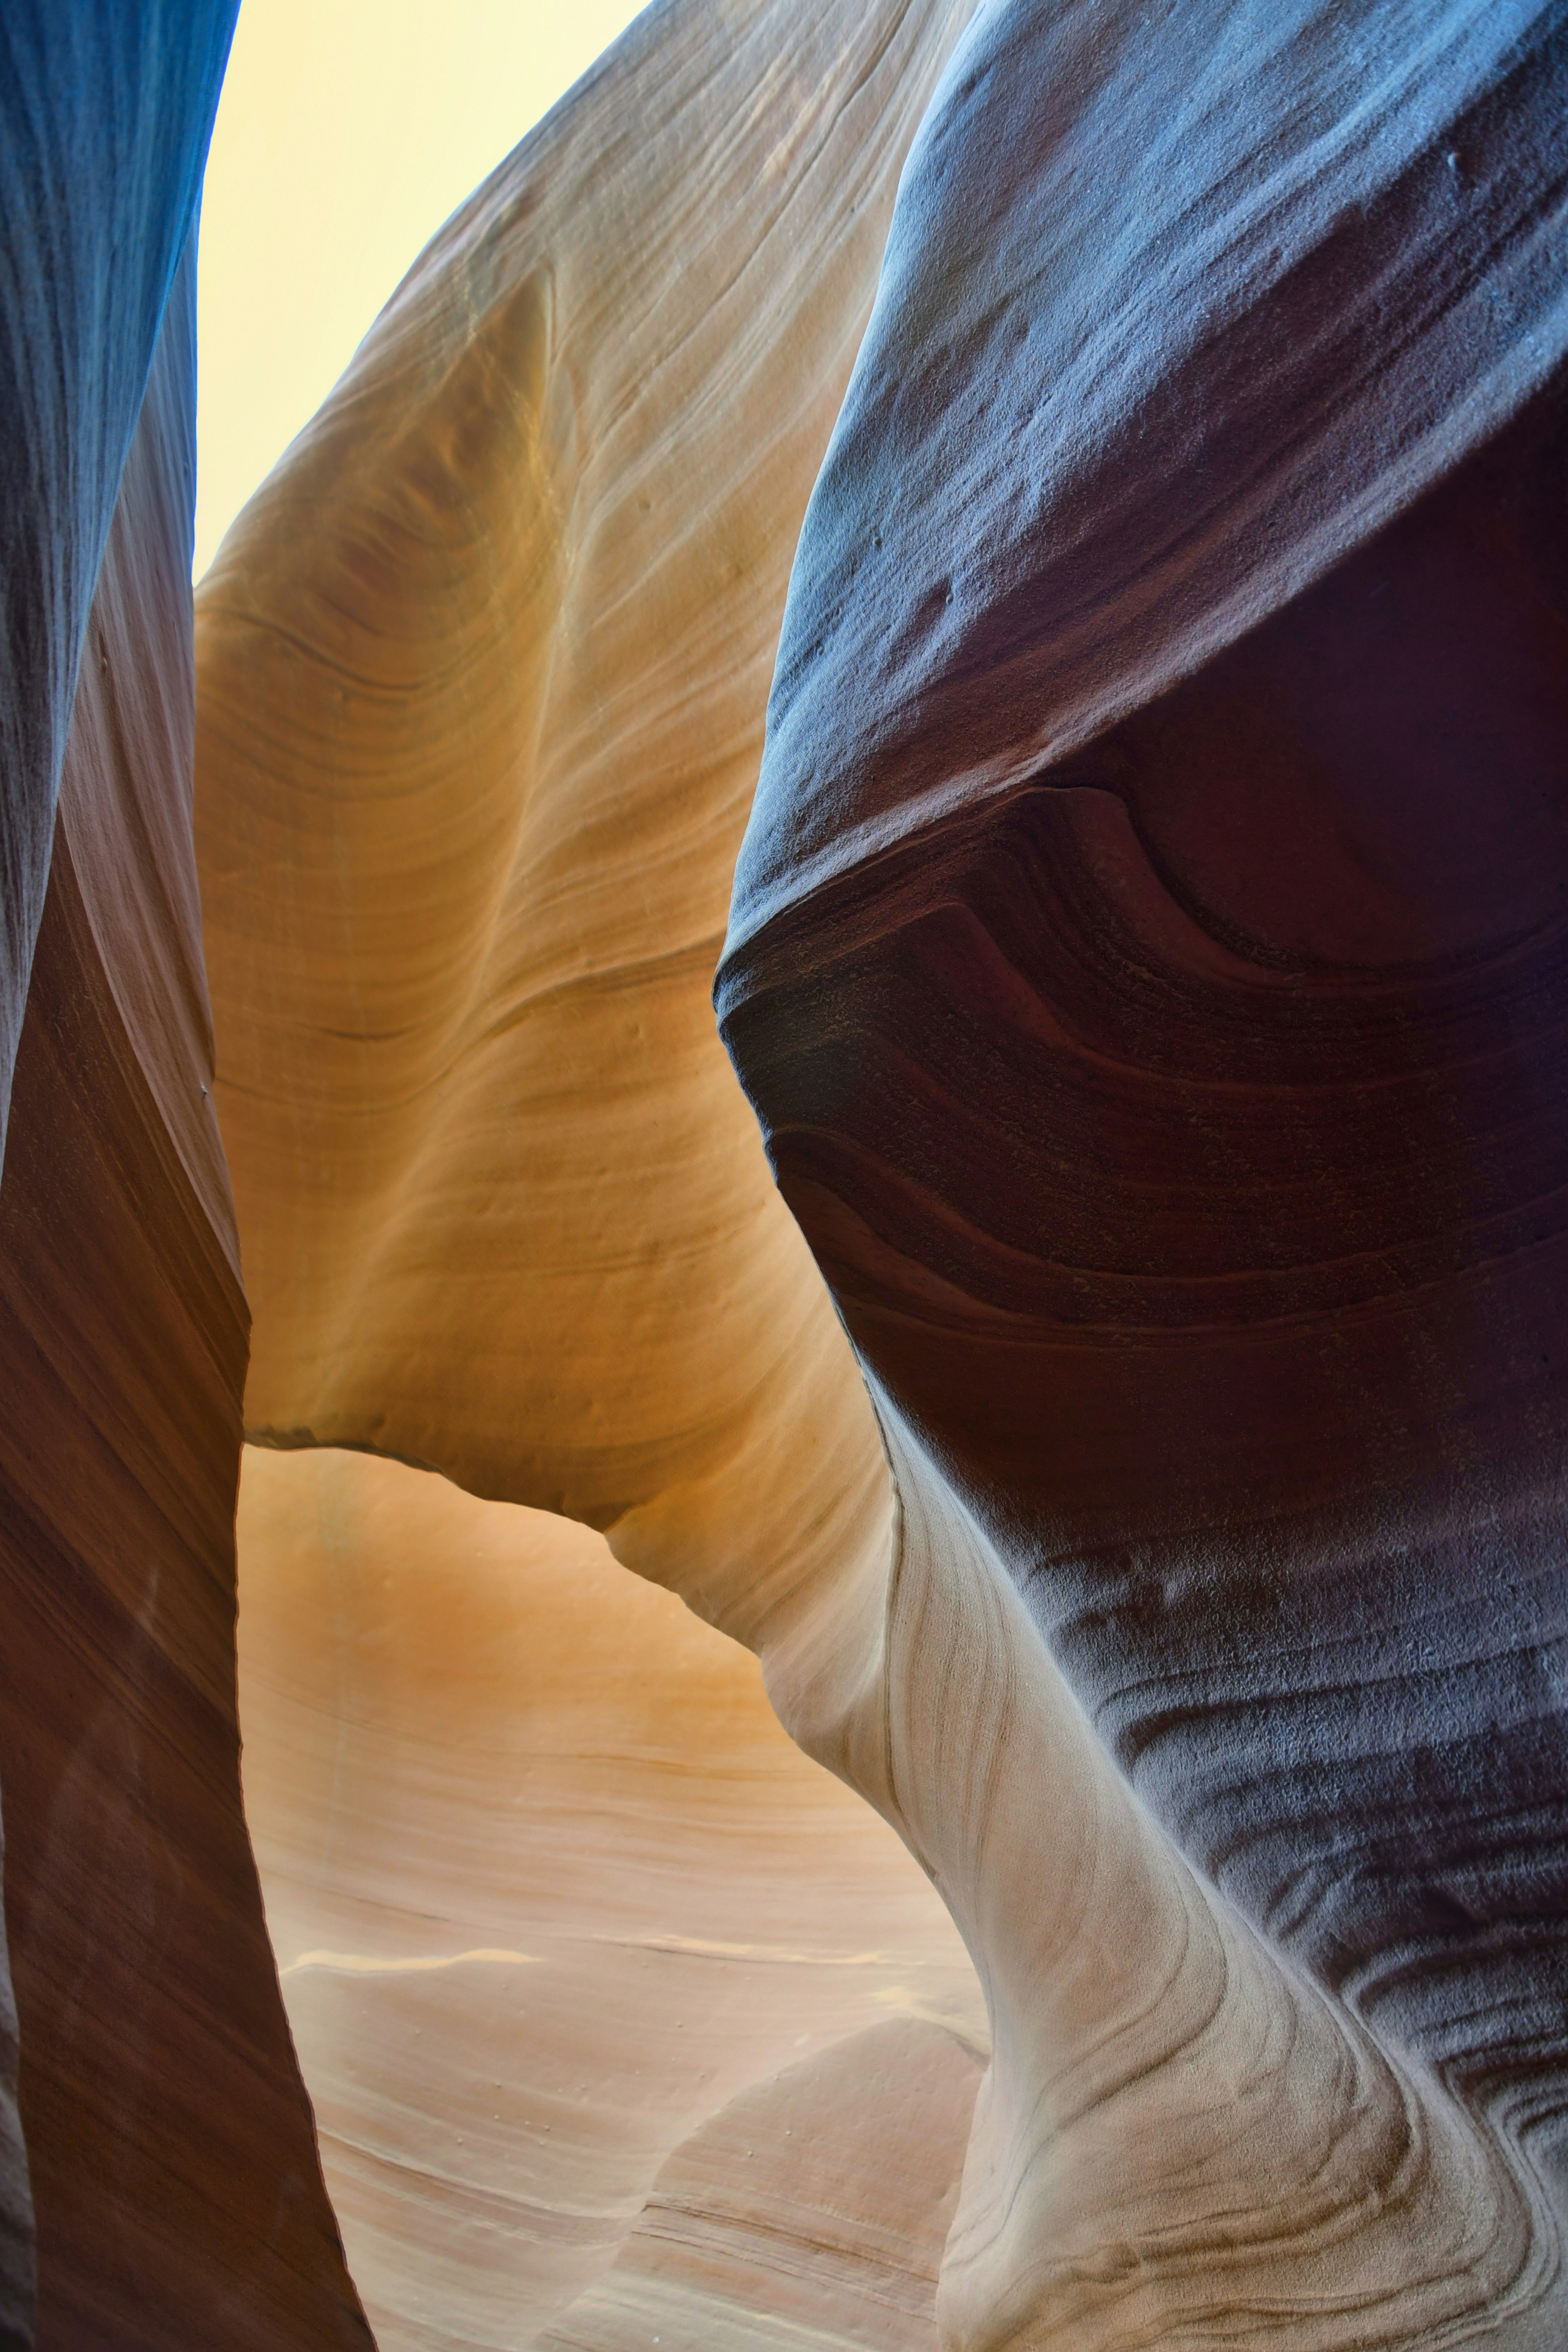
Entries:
{"x":482,"y":675}
{"x":175,"y":2184}
{"x":549,"y":1886}
{"x":1177,"y":310}
{"x":1182,"y":2136}
{"x":1147,"y":965}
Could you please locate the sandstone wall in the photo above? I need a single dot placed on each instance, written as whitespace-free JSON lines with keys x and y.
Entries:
{"x":174,"y":2179}
{"x":483,"y":671}
{"x":1146,"y":960}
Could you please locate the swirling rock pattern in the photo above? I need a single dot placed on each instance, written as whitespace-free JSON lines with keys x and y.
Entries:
{"x":174,"y":2179}
{"x":1145,"y":962}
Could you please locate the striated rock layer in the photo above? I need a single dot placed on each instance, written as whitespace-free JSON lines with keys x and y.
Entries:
{"x":1146,"y":961}
{"x":174,"y":2178}
{"x":762,"y":2235}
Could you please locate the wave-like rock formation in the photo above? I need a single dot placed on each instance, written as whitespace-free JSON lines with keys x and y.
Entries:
{"x":169,"y":2193}
{"x":483,"y":671}
{"x":1143,"y":961}
{"x":766,"y":2235}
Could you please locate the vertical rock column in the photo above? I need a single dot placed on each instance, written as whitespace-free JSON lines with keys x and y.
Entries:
{"x":176,"y":2187}
{"x":104,"y":117}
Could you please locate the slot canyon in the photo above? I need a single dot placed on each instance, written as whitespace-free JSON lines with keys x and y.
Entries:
{"x":783,"y":1233}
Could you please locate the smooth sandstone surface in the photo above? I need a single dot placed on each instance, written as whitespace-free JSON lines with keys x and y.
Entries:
{"x":174,"y":2181}
{"x":550,"y":1888}
{"x":1176,"y":311}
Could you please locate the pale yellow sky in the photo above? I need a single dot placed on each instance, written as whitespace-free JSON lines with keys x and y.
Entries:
{"x":347,"y":131}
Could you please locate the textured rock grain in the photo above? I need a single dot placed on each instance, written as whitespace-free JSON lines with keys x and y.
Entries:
{"x":104,"y":118}
{"x":766,"y":2235}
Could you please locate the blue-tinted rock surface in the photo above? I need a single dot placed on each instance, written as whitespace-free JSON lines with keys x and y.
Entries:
{"x":105,"y":112}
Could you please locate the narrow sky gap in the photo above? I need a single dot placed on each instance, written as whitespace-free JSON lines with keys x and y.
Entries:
{"x":347,"y":132}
